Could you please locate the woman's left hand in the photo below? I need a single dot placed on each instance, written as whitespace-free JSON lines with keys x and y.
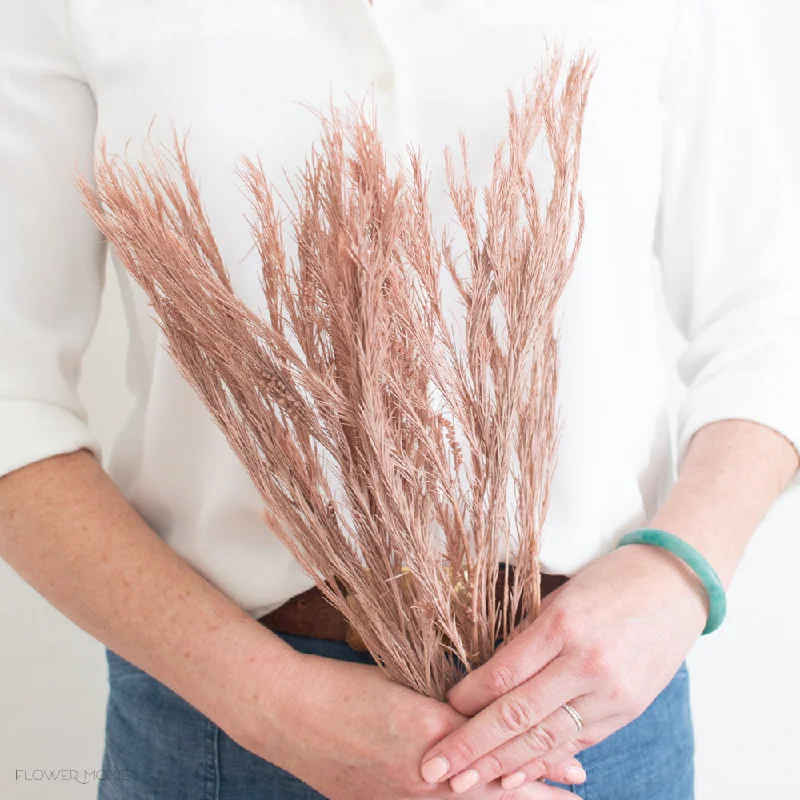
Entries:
{"x":607,"y":643}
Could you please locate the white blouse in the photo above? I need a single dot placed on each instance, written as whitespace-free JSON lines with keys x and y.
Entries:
{"x":680,"y":159}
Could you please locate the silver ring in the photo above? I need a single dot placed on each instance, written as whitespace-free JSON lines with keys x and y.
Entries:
{"x":576,"y":717}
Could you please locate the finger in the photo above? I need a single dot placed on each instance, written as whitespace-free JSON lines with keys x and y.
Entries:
{"x":568,"y":771}
{"x":555,"y":769}
{"x":532,"y":790}
{"x":528,"y":791}
{"x":556,"y":765}
{"x":513,"y":664}
{"x":540,"y":791}
{"x":505,"y":719}
{"x":550,"y":598}
{"x":565,"y":772}
{"x":555,"y":731}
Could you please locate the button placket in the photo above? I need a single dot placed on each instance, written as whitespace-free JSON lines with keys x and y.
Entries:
{"x":390,"y":95}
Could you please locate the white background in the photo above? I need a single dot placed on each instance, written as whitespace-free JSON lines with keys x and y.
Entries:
{"x":744,"y":678}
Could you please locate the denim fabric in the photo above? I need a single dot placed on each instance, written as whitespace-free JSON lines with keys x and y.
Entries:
{"x":158,"y":747}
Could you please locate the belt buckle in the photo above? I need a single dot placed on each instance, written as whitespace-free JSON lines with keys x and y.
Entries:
{"x":353,"y":638}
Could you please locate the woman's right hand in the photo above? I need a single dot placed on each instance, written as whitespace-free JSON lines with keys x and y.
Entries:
{"x":352,"y":734}
{"x":343,"y":728}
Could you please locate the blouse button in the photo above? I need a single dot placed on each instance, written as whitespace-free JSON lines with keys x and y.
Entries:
{"x":385,"y":82}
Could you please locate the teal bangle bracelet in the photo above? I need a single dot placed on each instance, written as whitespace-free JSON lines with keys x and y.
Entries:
{"x":717,"y":601}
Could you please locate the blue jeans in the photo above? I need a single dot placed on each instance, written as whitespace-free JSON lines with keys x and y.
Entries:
{"x":158,"y":747}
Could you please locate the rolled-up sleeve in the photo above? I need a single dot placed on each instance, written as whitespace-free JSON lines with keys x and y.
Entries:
{"x":728,"y":226}
{"x":51,"y":256}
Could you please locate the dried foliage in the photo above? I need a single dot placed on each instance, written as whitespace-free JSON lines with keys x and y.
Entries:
{"x":401,"y":456}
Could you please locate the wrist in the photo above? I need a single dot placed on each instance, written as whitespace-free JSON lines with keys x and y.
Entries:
{"x":250,"y":673}
{"x":672,"y":584}
{"x":707,"y":536}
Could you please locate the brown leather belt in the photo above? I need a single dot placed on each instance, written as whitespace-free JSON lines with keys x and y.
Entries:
{"x":310,"y":614}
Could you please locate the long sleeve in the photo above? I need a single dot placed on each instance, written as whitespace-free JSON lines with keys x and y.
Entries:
{"x":51,"y":257}
{"x":727,"y":231}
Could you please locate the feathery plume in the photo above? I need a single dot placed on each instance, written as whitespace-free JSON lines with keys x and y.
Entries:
{"x":400,"y":463}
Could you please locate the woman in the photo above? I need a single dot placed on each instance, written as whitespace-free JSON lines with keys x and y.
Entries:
{"x":165,"y":558}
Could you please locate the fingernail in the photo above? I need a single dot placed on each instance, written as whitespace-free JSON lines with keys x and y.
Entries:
{"x":513,"y":780}
{"x":574,"y":774}
{"x":464,"y":780}
{"x":435,"y":769}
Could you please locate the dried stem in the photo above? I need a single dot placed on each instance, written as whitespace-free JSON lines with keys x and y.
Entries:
{"x":399,"y":463}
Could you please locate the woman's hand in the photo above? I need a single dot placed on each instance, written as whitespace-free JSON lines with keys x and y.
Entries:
{"x":607,"y":643}
{"x":352,"y":734}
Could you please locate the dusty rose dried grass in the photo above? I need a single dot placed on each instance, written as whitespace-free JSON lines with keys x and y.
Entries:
{"x":399,"y":463}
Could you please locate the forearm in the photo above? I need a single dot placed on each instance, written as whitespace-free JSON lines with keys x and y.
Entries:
{"x":68,"y":531}
{"x":733,"y":472}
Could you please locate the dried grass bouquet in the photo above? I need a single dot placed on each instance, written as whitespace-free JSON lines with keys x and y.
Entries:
{"x":400,"y":462}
